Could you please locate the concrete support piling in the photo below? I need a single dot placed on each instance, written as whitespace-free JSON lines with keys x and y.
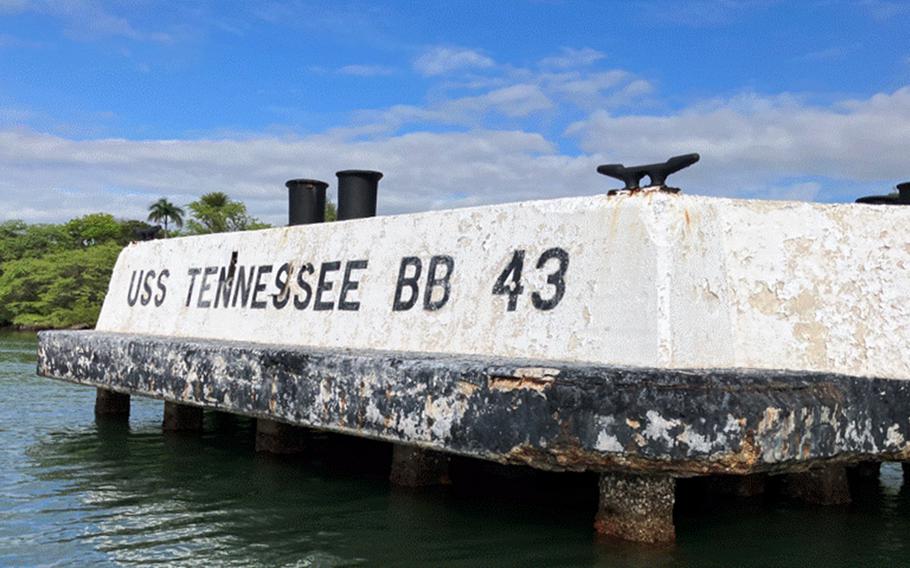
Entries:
{"x":826,"y":485}
{"x":279,"y":438}
{"x":866,"y":470}
{"x":112,"y":404}
{"x":864,"y":474}
{"x":743,"y":486}
{"x":637,"y":507}
{"x":416,"y":467}
{"x":181,"y":417}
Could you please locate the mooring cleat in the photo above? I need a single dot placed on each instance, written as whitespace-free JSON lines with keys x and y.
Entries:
{"x":902,"y":197}
{"x":656,"y":173}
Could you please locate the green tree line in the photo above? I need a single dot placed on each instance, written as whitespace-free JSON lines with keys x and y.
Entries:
{"x":56,"y":275}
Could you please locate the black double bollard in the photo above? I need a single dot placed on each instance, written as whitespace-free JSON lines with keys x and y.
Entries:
{"x":306,"y":205}
{"x":306,"y":201}
{"x":357,"y":191}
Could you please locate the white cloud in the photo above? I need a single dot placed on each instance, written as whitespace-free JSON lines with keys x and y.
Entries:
{"x":365,"y":70}
{"x":50,"y":178}
{"x":15,"y":115}
{"x":440,"y":60}
{"x":85,"y":19}
{"x":751,"y":145}
{"x":571,"y":57}
{"x":513,"y":101}
{"x":754,"y":140}
{"x":597,"y":89}
{"x":513,"y":93}
{"x":777,"y":147}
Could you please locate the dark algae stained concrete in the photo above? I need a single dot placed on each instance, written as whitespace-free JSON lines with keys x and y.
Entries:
{"x":554,"y":416}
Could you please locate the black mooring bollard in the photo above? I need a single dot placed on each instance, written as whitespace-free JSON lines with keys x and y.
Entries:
{"x":357,"y":193}
{"x":306,"y":205}
{"x":306,"y":201}
{"x":411,"y":467}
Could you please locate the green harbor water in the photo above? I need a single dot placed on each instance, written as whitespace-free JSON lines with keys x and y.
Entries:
{"x":77,"y":492}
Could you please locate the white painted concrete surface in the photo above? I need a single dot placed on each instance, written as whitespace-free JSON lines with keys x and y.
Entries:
{"x":652,"y":280}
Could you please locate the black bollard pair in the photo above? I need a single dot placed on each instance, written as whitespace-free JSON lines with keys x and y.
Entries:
{"x":306,"y":205}
{"x":357,"y":191}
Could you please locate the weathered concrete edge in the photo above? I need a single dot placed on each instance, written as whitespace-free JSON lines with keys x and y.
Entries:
{"x":557,"y":416}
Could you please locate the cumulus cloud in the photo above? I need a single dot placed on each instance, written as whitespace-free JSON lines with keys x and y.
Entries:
{"x":777,"y":147}
{"x":53,"y":178}
{"x":752,"y":139}
{"x":440,"y":60}
{"x":514,"y":101}
{"x":752,"y":145}
{"x":571,"y":57}
{"x":512,"y":93}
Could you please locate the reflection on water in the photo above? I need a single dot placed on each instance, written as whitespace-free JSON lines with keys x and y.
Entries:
{"x":76,"y":491}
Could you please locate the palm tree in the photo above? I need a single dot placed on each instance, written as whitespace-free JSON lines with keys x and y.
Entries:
{"x":164,"y":211}
{"x":215,"y":199}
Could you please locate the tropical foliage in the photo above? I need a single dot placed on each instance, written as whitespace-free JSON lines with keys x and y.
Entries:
{"x":56,"y":276}
{"x":217,"y":213}
{"x":163,"y":211}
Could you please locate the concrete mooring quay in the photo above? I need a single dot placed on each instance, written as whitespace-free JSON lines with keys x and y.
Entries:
{"x":646,"y":336}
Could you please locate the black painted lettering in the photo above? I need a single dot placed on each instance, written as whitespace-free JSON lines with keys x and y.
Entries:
{"x":281,"y":299}
{"x":259,"y":287}
{"x":318,"y":304}
{"x":409,"y":282}
{"x":205,"y":286}
{"x":133,"y":293}
{"x":146,"y":296}
{"x":304,"y":287}
{"x":226,"y":282}
{"x":162,"y":287}
{"x":349,"y":285}
{"x":435,"y":282}
{"x":243,"y":285}
{"x":556,"y":279}
{"x":193,"y":272}
{"x":223,"y":289}
{"x":512,"y":272}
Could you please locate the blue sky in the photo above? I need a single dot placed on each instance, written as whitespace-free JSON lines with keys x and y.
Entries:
{"x":109,"y":105}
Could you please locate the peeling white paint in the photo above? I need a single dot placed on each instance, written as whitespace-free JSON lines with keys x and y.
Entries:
{"x":658,"y":427}
{"x":699,"y":443}
{"x":894,"y":438}
{"x":605,"y":441}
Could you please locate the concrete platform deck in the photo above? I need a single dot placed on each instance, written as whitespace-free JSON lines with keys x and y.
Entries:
{"x":646,"y":336}
{"x":545,"y":414}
